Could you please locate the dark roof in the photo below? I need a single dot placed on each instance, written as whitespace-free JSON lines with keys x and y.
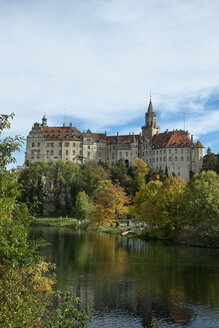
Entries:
{"x":150,"y":107}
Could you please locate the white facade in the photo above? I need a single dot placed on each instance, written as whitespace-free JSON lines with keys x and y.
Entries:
{"x":174,"y":150}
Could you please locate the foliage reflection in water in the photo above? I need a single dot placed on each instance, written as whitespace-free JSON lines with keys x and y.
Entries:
{"x":133,"y":283}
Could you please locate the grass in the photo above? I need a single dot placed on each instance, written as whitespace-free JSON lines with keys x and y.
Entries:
{"x":57,"y":222}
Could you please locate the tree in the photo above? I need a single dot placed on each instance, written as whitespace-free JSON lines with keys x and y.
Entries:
{"x":111,"y":202}
{"x":144,"y":199}
{"x":209,"y":161}
{"x":165,"y":206}
{"x":25,"y":280}
{"x":201,"y":199}
{"x":89,"y":178}
{"x":138,"y":171}
{"x":83,"y":206}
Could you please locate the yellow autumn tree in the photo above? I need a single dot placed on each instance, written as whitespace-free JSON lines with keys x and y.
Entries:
{"x":166,"y":204}
{"x":112,"y":201}
{"x":144,"y":199}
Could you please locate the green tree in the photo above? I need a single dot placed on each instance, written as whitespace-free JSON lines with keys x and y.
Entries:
{"x":25,"y":280}
{"x":89,"y":178}
{"x":165,"y":207}
{"x":83,"y":206}
{"x":201,"y":199}
{"x":138,"y":172}
{"x":209,"y":161}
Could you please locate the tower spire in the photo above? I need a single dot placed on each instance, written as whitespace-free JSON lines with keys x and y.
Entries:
{"x":150,"y":106}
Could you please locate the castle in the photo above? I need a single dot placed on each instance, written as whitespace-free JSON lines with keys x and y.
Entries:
{"x":174,"y":151}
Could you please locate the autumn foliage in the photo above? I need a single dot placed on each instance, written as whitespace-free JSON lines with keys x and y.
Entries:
{"x":111,"y":203}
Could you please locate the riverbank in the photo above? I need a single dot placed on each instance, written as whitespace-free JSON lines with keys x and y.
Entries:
{"x":57,"y":222}
{"x":205,"y":235}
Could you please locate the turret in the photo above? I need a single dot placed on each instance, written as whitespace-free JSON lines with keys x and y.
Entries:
{"x":44,"y":120}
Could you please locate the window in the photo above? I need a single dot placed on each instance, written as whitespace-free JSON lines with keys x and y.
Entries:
{"x":164,"y":151}
{"x":178,"y":174}
{"x":73,"y":144}
{"x":149,"y":160}
{"x":188,"y":158}
{"x":153,"y":160}
{"x":120,"y":154}
{"x":88,"y":154}
{"x":112,"y":155}
{"x":38,"y":151}
{"x":169,"y":151}
{"x":32,"y":144}
{"x":51,"y":152}
{"x":88,"y":140}
{"x":80,"y":152}
{"x":169,"y":158}
{"x":66,"y":152}
{"x":66,"y":144}
{"x":88,"y":147}
{"x":175,"y":158}
{"x":38,"y":144}
{"x":47,"y":144}
{"x":47,"y":151}
{"x":182,"y":158}
{"x":126,"y":154}
{"x":181,"y":150}
{"x":157,"y":152}
{"x":161,"y":151}
{"x":60,"y":144}
{"x":160,"y":159}
{"x":187,"y":150}
{"x":143,"y":153}
{"x":73,"y":152}
{"x":60,"y":153}
{"x":176,"y":150}
{"x":146,"y":153}
{"x":81,"y":145}
{"x":156,"y":159}
{"x":51,"y":144}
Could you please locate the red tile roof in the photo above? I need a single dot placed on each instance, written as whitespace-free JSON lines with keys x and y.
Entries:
{"x":175,"y":138}
{"x":62,"y":132}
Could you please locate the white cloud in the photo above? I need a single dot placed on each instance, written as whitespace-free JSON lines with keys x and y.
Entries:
{"x":102,"y":58}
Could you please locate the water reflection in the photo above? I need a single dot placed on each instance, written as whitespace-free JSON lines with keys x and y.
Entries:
{"x":133,"y":283}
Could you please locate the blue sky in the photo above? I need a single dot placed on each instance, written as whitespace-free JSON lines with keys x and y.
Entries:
{"x":100,"y":59}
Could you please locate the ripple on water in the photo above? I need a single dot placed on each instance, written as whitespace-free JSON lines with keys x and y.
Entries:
{"x":114,"y":319}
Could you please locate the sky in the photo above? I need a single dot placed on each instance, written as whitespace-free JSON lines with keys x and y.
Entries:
{"x":95,"y":62}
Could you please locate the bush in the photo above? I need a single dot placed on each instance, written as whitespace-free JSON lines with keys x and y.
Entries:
{"x":205,"y":235}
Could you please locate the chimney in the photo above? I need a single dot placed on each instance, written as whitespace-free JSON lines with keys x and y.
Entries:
{"x":71,"y":125}
{"x":105,"y":132}
{"x":192,"y":139}
{"x":63,"y":124}
{"x":117,"y":136}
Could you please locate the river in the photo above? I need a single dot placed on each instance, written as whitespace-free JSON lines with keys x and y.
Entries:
{"x":133,"y":283}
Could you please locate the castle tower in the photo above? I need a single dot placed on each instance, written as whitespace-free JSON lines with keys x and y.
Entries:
{"x":150,"y":127}
{"x":44,"y":120}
